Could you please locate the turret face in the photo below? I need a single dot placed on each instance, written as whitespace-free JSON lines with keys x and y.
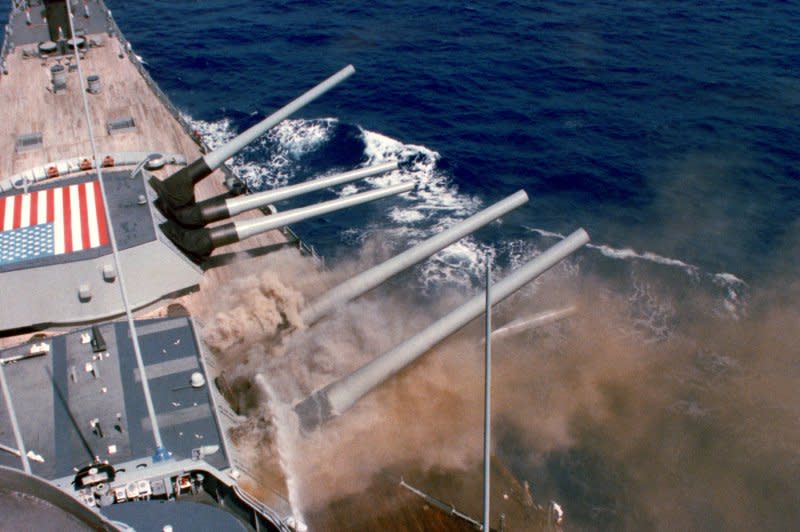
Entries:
{"x":178,"y":189}
{"x":195,"y":243}
{"x":314,"y":411}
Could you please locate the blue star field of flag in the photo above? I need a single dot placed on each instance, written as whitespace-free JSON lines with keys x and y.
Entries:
{"x":26,"y":243}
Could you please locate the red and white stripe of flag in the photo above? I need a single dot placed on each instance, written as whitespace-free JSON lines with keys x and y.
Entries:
{"x":76,"y":212}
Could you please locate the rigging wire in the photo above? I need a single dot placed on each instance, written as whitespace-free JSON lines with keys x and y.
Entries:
{"x":160,"y":450}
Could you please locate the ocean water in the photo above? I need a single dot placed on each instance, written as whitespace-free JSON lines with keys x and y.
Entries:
{"x":668,"y":128}
{"x":670,"y":131}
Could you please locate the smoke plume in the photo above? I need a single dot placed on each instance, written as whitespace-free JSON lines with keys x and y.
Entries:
{"x":649,"y":409}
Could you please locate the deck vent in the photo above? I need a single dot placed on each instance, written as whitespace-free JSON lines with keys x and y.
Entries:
{"x":120,"y":125}
{"x":58,"y":75}
{"x":93,"y":84}
{"x":29,"y":141}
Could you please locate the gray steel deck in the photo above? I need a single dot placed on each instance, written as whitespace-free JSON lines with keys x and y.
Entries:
{"x":62,"y":397}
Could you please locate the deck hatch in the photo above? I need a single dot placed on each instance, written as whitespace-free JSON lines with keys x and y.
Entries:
{"x":29,"y":141}
{"x":119,"y":125}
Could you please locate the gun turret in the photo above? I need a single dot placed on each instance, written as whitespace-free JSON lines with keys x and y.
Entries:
{"x":337,"y":397}
{"x":199,"y":243}
{"x":178,"y":189}
{"x":369,"y":279}
{"x":222,"y":207}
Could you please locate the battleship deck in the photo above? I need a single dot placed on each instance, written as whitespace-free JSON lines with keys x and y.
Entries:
{"x":41,"y":129}
{"x":33,"y":108}
{"x":47,"y":130}
{"x":79,"y":398}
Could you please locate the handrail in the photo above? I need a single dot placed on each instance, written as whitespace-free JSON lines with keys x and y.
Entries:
{"x":81,"y":164}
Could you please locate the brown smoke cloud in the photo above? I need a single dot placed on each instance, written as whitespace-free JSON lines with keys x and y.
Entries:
{"x":257,"y":307}
{"x":693,"y":432}
{"x":695,"y":429}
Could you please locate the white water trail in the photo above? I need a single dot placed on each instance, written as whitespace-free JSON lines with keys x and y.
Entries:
{"x":732,"y":284}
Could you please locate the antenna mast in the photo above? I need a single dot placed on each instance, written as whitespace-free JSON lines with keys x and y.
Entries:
{"x":161,"y":452}
{"x":487,"y":413}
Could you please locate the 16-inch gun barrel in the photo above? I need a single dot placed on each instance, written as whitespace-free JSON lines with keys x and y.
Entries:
{"x":369,"y":279}
{"x":199,"y":243}
{"x":221,"y":207}
{"x":178,"y":189}
{"x":339,"y":396}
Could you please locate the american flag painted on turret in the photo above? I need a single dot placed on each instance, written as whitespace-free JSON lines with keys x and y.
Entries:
{"x":52,"y":222}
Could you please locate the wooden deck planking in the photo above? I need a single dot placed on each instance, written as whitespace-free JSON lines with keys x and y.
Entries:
{"x":60,"y":117}
{"x":61,"y":120}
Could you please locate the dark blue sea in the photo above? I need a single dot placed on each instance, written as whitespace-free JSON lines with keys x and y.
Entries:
{"x":670,"y":131}
{"x":663,"y":127}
